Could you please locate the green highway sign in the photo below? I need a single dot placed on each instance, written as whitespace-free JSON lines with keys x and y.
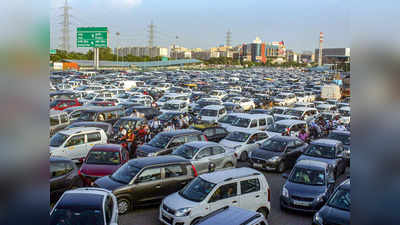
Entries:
{"x":95,"y":37}
{"x":53,"y":51}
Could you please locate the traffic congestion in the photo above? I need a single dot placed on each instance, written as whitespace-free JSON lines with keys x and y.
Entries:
{"x":250,"y":146}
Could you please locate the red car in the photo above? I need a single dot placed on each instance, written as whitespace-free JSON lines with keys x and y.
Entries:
{"x":61,"y":104}
{"x":102,"y":103}
{"x":102,"y":160}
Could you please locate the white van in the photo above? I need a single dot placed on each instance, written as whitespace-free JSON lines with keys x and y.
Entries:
{"x":252,"y":121}
{"x":172,"y":96}
{"x":175,"y":106}
{"x":212,"y":112}
{"x":75,"y":143}
{"x":281,"y":126}
{"x":242,"y":187}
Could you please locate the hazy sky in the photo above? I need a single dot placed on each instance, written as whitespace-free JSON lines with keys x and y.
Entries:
{"x":204,"y":23}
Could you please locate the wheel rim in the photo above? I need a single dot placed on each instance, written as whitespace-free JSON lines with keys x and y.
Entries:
{"x":123,"y":206}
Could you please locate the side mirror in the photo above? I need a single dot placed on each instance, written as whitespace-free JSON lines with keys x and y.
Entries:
{"x":285,"y":175}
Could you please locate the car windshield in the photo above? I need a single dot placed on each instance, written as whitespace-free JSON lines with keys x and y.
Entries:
{"x":274,"y":145}
{"x":320,"y":151}
{"x":237,"y":136}
{"x":164,"y":99}
{"x":77,"y":216}
{"x":241,"y":122}
{"x":344,"y":138}
{"x":227,"y":119}
{"x":208,"y":112}
{"x":124,"y":123}
{"x":58,"y":139}
{"x":344,"y":112}
{"x":277,"y":128}
{"x":197,"y":190}
{"x":307,"y":176}
{"x":292,"y":112}
{"x":88,"y":116}
{"x":340,"y":200}
{"x":125,"y":173}
{"x":186,"y":151}
{"x":159,"y":141}
{"x":277,"y":111}
{"x":168,"y":106}
{"x":229,"y":107}
{"x":166,"y":116}
{"x":103,"y":157}
{"x":89,"y":96}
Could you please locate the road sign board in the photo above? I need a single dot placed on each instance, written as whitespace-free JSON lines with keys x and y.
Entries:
{"x":53,"y":51}
{"x":164,"y":58}
{"x":96,"y":37}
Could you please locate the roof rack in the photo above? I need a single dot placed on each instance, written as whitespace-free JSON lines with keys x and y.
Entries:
{"x":231,"y":178}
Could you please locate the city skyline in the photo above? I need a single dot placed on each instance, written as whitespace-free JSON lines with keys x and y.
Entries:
{"x":203,"y":24}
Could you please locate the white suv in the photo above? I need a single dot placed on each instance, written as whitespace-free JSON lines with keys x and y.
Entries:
{"x":242,"y":187}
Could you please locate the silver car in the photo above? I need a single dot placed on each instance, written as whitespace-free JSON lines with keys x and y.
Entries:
{"x":206,"y":156}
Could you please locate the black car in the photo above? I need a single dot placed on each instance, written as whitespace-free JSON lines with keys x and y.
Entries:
{"x":165,"y":142}
{"x":308,"y":186}
{"x":344,"y":137}
{"x":337,"y":209}
{"x":147,"y":180}
{"x":63,"y":176}
{"x":213,"y":132}
{"x":149,"y":112}
{"x":277,"y":153}
{"x":105,"y":126}
{"x":108,"y":114}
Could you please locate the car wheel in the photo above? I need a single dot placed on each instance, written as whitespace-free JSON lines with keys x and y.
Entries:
{"x":195,"y":221}
{"x":243,"y":156}
{"x":228,"y":165}
{"x":281,"y":167}
{"x":263,"y":211}
{"x":123,"y":205}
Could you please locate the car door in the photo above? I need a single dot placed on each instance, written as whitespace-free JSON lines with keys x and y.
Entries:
{"x":58,"y":179}
{"x":262,"y":124}
{"x":249,"y":193}
{"x":75,"y":147}
{"x":218,"y":156}
{"x":340,"y":161}
{"x":201,"y":160}
{"x":220,"y":133}
{"x":210,"y":134}
{"x":225,"y":195}
{"x":175,"y":178}
{"x":147,"y":185}
{"x":291,"y":153}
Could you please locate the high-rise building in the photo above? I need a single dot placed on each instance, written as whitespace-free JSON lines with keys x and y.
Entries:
{"x":333,"y":55}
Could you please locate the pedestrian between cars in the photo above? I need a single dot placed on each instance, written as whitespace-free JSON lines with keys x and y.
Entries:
{"x":303,"y":135}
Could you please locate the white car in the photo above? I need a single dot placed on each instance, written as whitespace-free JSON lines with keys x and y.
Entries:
{"x":75,"y":143}
{"x":95,"y":206}
{"x":245,"y":103}
{"x":281,"y":126}
{"x":243,"y":142}
{"x":212,"y":113}
{"x":168,"y":97}
{"x":345,"y":114}
{"x":218,"y":94}
{"x":242,"y":187}
{"x":285,"y":99}
{"x":175,"y":106}
{"x":252,"y":121}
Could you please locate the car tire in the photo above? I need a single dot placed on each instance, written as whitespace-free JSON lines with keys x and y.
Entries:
{"x":281,"y":167}
{"x":228,"y":165}
{"x":244,"y":156}
{"x":124,"y":205}
{"x":263,"y":211}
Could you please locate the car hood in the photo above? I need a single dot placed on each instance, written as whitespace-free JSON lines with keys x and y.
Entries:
{"x":271,"y":134}
{"x":165,"y":111}
{"x":302,"y":190}
{"x":98,"y":170}
{"x":334,"y":216}
{"x":230,"y":144}
{"x":209,"y":118}
{"x":148,"y":148}
{"x":176,"y":201}
{"x":264,"y":154}
{"x":328,"y":161}
{"x":108,"y":183}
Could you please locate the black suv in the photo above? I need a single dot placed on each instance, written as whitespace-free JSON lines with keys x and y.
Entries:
{"x":148,"y":180}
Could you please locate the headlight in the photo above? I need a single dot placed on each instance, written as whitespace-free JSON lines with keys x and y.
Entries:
{"x":320,"y":198}
{"x":152,"y":154}
{"x":183,"y":212}
{"x":274,"y":159}
{"x":285,"y":192}
{"x":318,"y":219}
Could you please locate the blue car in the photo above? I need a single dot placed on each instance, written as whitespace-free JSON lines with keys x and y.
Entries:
{"x":307,"y":187}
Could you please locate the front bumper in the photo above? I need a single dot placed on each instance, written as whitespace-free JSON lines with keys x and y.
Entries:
{"x":263,"y":164}
{"x":169,"y":219}
{"x":288,"y":203}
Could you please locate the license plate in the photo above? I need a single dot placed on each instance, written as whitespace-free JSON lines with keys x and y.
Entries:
{"x":301,"y":203}
{"x":257,"y":165}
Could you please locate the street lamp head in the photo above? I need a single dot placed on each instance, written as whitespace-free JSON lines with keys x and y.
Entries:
{"x":117,"y":33}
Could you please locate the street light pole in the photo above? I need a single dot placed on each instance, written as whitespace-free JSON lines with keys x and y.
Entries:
{"x":117,"y":47}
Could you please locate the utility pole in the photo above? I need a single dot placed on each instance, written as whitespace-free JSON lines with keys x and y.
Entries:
{"x":117,"y":45}
{"x":151,"y":37}
{"x":228,"y":38}
{"x":65,"y":30}
{"x":321,"y":40}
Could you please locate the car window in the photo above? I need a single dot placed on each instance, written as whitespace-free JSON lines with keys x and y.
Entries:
{"x":124,"y":155}
{"x":209,"y":132}
{"x":76,"y":140}
{"x":58,"y":169}
{"x":220,"y":131}
{"x":64,"y":118}
{"x":224,"y":192}
{"x":298,"y":143}
{"x":270,"y":120}
{"x":253,"y":123}
{"x":204,"y":153}
{"x":108,"y":209}
{"x":202,"y":137}
{"x":150,"y":174}
{"x":261,"y":136}
{"x":174,"y":171}
{"x":177,"y":141}
{"x":92,"y":137}
{"x":248,"y":186}
{"x":218,"y":150}
{"x":262,"y":122}
{"x":294,"y":128}
{"x":76,"y":114}
{"x":54,"y":121}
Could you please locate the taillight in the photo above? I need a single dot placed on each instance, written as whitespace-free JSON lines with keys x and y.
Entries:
{"x":269,"y":195}
{"x":194,"y":171}
{"x":205,"y":138}
{"x":235,"y":154}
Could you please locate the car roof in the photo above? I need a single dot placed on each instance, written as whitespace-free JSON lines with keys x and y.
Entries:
{"x":229,"y":215}
{"x":283,"y":138}
{"x":179,"y":132}
{"x":59,"y":159}
{"x":252,"y":116}
{"x":325,"y":141}
{"x":107,"y":147}
{"x":79,"y":199}
{"x":307,"y":163}
{"x":90,"y":123}
{"x":215,"y":107}
{"x":302,"y":108}
{"x":76,"y":130}
{"x":223,"y":175}
{"x":201,"y":144}
{"x":102,"y":108}
{"x":131,"y":118}
{"x":164,"y":159}
{"x":341,"y":132}
{"x":175,"y":102}
{"x":290,"y":122}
